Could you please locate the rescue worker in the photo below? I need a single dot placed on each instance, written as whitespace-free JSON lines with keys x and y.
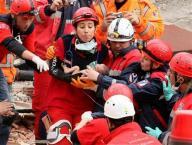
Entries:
{"x":73,"y":53}
{"x":120,"y":38}
{"x":143,"y":15}
{"x":50,"y":24}
{"x":117,"y":127}
{"x":145,"y":80}
{"x":7,"y":67}
{"x":180,"y":78}
{"x":18,"y":22}
{"x":43,"y":39}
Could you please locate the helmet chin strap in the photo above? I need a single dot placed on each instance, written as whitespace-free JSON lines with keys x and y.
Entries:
{"x":88,"y":46}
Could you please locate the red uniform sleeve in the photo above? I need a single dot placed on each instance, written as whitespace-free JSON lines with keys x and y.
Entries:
{"x":4,"y":31}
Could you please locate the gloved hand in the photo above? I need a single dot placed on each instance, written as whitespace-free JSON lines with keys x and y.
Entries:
{"x":85,"y":118}
{"x":41,"y":64}
{"x":83,"y":84}
{"x":153,"y":132}
{"x":50,"y":52}
{"x":167,"y":89}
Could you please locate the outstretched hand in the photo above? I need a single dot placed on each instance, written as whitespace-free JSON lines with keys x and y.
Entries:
{"x":167,"y":89}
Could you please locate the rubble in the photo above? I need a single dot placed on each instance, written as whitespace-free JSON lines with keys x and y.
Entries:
{"x":22,"y":128}
{"x":177,"y":13}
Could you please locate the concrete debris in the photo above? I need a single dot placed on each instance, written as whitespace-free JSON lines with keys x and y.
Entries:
{"x":22,"y":128}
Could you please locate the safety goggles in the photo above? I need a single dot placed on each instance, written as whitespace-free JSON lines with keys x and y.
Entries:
{"x":30,"y":13}
{"x":87,"y":15}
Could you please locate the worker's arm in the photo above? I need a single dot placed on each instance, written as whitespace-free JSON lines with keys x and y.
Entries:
{"x":150,"y":22}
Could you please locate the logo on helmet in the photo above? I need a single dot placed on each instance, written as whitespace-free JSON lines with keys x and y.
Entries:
{"x":114,"y":35}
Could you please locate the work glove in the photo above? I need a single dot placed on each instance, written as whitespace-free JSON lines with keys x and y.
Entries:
{"x":153,"y":132}
{"x":167,"y":89}
{"x":85,"y":118}
{"x":82,"y":84}
{"x":41,"y":64}
{"x":50,"y":52}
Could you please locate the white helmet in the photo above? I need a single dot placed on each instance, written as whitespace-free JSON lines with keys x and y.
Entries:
{"x":120,"y":30}
{"x":119,"y":106}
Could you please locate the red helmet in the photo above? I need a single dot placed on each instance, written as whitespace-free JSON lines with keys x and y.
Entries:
{"x":118,"y":89}
{"x":182,"y":64}
{"x":85,"y":13}
{"x":22,"y":7}
{"x":181,"y":127}
{"x":158,"y":51}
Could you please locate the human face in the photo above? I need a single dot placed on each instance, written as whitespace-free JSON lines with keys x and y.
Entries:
{"x":175,"y":78}
{"x":23,"y":22}
{"x":85,"y":30}
{"x":145,"y":63}
{"x":118,"y":46}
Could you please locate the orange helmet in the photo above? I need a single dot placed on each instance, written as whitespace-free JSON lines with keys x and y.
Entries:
{"x":182,"y":64}
{"x":23,"y":7}
{"x":118,"y":89}
{"x":158,"y":51}
{"x":85,"y":13}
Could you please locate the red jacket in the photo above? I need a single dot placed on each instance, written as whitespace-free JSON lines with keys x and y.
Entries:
{"x":5,"y":33}
{"x":94,"y":132}
{"x":184,"y":104}
{"x":122,"y":61}
{"x":130,"y":133}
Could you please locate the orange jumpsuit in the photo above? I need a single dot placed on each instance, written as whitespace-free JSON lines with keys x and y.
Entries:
{"x":150,"y":25}
{"x":3,"y":9}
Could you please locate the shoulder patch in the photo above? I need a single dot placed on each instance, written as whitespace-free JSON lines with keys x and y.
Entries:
{"x":143,"y":83}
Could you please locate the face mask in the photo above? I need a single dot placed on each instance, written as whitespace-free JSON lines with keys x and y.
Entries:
{"x":88,"y":46}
